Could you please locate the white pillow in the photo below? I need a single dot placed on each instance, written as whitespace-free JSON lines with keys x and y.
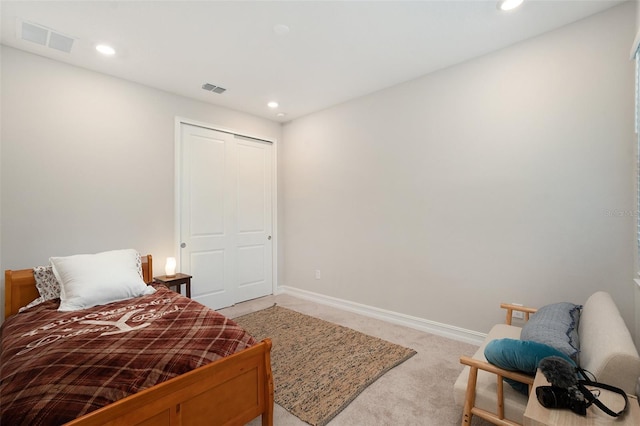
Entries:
{"x":88,"y":280}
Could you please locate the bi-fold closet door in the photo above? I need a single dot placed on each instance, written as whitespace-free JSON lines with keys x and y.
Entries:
{"x":225,"y":215}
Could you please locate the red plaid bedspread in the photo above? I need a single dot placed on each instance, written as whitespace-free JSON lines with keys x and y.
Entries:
{"x":56,"y":366}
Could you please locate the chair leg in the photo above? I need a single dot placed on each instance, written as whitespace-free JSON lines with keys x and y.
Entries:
{"x":470,"y":397}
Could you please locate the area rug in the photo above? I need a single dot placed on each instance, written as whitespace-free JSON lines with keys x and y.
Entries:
{"x":320,"y":367}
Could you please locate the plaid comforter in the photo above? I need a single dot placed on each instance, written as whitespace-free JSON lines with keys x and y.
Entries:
{"x":56,"y":366}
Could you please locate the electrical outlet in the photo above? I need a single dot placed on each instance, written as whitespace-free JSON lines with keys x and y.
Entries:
{"x":317,"y":274}
{"x":517,"y":314}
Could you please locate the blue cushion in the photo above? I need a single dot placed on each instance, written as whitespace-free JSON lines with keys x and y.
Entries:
{"x":519,"y":355}
{"x":555,"y":325}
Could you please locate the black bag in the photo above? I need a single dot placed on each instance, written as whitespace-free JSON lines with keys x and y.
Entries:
{"x":567,"y":390}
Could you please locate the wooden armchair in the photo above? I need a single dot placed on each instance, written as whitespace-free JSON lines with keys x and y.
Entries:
{"x":607,"y":351}
{"x":493,"y":390}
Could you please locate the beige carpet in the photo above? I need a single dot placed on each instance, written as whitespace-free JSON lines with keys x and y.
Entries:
{"x":320,"y":367}
{"x":418,"y":392}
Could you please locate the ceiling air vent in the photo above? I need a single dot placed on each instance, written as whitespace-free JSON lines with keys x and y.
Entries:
{"x":44,"y":36}
{"x":213,"y":88}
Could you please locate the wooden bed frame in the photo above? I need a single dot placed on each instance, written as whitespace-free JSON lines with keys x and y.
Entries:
{"x":230,"y":391}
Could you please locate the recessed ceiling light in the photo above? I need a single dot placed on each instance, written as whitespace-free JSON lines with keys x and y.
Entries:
{"x":280,"y":114}
{"x":105,"y":49}
{"x":272,"y":104}
{"x":509,"y":4}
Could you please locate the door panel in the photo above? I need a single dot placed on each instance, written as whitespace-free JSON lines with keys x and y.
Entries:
{"x":206,"y":182}
{"x":251,"y":188}
{"x":208,"y":264}
{"x":253,"y":260}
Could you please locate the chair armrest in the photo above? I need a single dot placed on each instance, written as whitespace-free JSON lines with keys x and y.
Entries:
{"x":511,"y":307}
{"x":483,"y":365}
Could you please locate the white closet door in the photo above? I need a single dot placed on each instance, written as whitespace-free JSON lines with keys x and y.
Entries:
{"x":225,"y":216}
{"x":253,"y":242}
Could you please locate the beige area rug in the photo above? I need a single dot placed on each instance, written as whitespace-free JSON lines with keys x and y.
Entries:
{"x":320,"y":367}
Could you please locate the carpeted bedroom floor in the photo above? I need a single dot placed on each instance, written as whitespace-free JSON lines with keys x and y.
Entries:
{"x":417,"y":392}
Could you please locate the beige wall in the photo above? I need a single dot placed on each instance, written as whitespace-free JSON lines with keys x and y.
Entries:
{"x":79,"y":148}
{"x":505,"y":178}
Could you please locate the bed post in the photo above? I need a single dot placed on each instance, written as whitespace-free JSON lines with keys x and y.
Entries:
{"x":267,"y":415}
{"x":147,"y":268}
{"x":7,"y":293}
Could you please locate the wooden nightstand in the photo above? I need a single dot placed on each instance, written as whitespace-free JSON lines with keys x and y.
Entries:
{"x":176,"y":281}
{"x":537,"y":415}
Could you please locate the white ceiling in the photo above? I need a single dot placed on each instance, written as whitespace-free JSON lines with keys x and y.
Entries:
{"x":334,"y":51}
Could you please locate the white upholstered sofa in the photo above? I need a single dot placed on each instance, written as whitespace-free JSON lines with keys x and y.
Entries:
{"x":606,"y":349}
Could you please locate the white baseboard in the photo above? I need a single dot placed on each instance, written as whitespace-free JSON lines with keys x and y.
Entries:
{"x":445,"y":330}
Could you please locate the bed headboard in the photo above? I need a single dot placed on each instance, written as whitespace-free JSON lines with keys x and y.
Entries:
{"x":20,"y":286}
